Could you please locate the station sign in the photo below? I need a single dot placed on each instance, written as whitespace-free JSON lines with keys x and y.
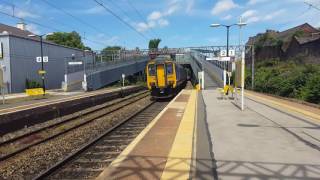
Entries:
{"x":223,"y":53}
{"x":218,"y":58}
{"x":75,"y":63}
{"x":45,"y":59}
{"x":41,"y":72}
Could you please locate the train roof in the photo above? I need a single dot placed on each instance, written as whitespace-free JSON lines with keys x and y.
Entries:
{"x":162,"y":59}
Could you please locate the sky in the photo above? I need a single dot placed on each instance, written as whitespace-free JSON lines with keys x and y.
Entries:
{"x":178,"y":23}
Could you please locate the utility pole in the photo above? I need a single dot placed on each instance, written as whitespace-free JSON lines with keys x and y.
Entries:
{"x":42,"y":72}
{"x":42,"y":66}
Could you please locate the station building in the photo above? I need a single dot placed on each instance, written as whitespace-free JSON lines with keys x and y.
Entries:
{"x":18,"y":59}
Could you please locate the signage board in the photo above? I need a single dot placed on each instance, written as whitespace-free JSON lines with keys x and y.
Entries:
{"x":232,"y":53}
{"x":75,"y":63}
{"x":45,"y":59}
{"x":218,"y":58}
{"x":223,"y":53}
{"x":41,"y":72}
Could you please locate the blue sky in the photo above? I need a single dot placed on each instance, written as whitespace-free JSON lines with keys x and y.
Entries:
{"x":179,"y":23}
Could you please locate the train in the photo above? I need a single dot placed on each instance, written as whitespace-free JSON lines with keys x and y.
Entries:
{"x":165,"y":78}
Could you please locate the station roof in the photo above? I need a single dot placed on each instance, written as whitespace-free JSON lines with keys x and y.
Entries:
{"x":10,"y":30}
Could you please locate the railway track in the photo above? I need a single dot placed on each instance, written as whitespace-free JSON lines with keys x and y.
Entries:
{"x":91,"y":159}
{"x":18,"y":144}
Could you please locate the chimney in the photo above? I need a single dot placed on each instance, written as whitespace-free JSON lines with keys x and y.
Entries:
{"x":22,"y":26}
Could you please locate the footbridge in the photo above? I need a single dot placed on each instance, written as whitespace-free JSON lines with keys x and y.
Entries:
{"x":92,"y":74}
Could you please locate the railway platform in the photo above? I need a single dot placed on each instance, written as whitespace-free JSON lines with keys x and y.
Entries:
{"x":201,"y":136}
{"x":25,"y":113}
{"x":166,"y":148}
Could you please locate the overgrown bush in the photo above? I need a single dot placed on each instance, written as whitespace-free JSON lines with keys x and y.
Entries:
{"x":287,"y":79}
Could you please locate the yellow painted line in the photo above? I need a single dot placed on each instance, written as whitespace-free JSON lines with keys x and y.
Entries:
{"x":126,"y":152}
{"x":287,"y":107}
{"x":179,"y":161}
{"x":50,"y":102}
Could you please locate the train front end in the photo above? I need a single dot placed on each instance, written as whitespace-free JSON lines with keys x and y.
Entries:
{"x":161,"y":78}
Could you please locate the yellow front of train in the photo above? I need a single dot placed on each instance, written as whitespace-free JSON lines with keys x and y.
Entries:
{"x":161,"y":77}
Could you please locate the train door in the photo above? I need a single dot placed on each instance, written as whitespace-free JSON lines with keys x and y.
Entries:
{"x":161,"y":75}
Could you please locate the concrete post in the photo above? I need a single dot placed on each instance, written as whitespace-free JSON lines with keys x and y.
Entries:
{"x":242,"y":80}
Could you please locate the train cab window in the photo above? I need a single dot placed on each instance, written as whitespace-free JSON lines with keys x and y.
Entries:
{"x":169,"y":68}
{"x":152,"y":70}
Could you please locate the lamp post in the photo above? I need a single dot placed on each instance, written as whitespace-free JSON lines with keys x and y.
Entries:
{"x":240,"y":24}
{"x":42,"y":65}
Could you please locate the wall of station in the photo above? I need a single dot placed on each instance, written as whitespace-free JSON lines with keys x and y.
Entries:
{"x":20,"y":61}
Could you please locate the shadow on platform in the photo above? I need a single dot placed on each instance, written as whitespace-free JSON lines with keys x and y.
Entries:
{"x":144,"y":167}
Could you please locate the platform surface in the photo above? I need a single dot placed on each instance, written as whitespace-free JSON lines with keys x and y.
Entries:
{"x":165,"y":147}
{"x":263,"y":142}
{"x":19,"y":102}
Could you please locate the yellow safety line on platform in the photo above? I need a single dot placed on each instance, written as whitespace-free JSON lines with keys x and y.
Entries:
{"x":122,"y":156}
{"x":179,"y":161}
{"x":287,"y":107}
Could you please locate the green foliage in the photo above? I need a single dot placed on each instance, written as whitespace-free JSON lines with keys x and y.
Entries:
{"x":288,"y":79}
{"x":267,"y":39}
{"x":311,"y":91}
{"x":30,"y":84}
{"x":72,"y":39}
{"x":154,"y":43}
{"x":110,"y":52}
{"x":299,"y":33}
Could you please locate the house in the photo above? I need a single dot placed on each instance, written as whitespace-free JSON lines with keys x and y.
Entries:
{"x":301,"y":41}
{"x":18,"y":59}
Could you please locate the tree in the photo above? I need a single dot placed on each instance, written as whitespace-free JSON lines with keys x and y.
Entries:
{"x":154,"y":43}
{"x":110,"y":53}
{"x":70,"y":39}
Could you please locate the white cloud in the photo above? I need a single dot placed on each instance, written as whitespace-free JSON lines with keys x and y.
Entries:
{"x":163,"y":22}
{"x":252,"y":16}
{"x":248,"y":13}
{"x":159,"y":18}
{"x":223,"y":6}
{"x":274,"y":14}
{"x":17,"y":12}
{"x":155,"y":15}
{"x":253,"y":19}
{"x":95,"y":10}
{"x":190,"y":5}
{"x":253,"y":2}
{"x":25,"y":14}
{"x":33,"y":28}
{"x":227,"y":17}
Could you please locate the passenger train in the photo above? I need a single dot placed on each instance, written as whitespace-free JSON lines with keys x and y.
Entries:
{"x":165,"y":78}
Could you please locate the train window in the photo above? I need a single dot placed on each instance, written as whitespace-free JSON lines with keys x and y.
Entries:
{"x":169,"y":68}
{"x":152,"y":70}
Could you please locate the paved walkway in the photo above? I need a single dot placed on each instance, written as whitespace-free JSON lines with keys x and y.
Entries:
{"x":261,"y":142}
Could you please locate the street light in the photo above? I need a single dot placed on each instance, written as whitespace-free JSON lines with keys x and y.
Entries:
{"x":240,"y":24}
{"x":42,"y":65}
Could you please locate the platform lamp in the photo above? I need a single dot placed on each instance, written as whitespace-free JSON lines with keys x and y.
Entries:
{"x":240,"y":24}
{"x":42,"y":65}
